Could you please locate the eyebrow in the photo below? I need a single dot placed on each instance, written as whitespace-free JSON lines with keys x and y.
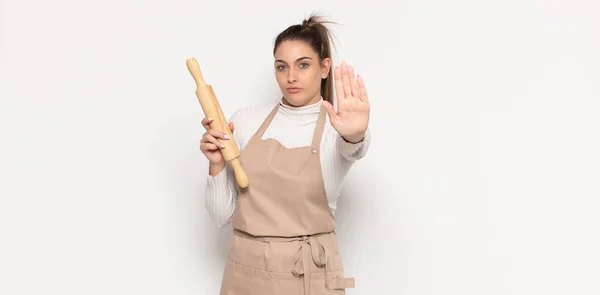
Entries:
{"x":297,"y":60}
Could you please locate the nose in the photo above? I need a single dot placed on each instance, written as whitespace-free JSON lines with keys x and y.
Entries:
{"x":292,"y":76}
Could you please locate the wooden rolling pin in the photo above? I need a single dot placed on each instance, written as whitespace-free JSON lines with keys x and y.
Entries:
{"x":212,"y":109}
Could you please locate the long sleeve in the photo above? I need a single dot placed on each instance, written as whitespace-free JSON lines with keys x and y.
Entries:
{"x":337,"y":159}
{"x":353,"y":151}
{"x":221,"y":196}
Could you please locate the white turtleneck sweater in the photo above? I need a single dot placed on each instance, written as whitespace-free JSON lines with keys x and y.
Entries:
{"x":292,"y":127}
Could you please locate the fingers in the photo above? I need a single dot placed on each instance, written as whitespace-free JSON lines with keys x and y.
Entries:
{"x":206,"y":123}
{"x":346,"y":80}
{"x":210,"y":139}
{"x":218,"y":134}
{"x":346,"y":83}
{"x":339,"y":87}
{"x":330,"y":110}
{"x":353,"y":82}
{"x":363,"y":89}
{"x":207,"y":146}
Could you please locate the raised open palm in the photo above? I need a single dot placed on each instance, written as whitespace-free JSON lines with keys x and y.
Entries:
{"x":352,"y":116}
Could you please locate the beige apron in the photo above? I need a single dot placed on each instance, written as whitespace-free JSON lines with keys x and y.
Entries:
{"x":284,"y":240}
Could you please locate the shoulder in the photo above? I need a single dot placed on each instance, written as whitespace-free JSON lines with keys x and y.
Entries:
{"x":250,"y":114}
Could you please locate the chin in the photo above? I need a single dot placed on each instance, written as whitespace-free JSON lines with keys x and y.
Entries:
{"x":297,"y":100}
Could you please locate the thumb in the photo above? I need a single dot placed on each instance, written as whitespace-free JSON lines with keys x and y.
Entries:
{"x":231,"y":127}
{"x":329,"y":108}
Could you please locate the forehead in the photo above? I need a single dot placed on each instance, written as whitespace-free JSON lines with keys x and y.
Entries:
{"x":291,"y":50}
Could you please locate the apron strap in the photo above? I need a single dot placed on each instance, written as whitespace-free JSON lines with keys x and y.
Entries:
{"x":317,"y":134}
{"x":340,"y":283}
{"x":263,"y":127}
{"x":312,"y":246}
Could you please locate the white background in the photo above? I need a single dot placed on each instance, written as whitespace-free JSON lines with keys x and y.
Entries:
{"x":482,"y":177}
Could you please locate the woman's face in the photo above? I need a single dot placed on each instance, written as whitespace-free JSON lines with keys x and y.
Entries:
{"x":299,"y":73}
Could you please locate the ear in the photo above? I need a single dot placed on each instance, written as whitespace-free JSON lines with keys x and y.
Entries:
{"x":325,"y":66}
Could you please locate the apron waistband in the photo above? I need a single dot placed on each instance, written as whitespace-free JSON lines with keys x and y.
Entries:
{"x":310,"y":245}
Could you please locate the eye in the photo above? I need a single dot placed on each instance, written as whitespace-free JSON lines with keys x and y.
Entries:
{"x":304,"y":65}
{"x":280,"y":67}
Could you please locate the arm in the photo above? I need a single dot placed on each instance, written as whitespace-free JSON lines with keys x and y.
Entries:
{"x":351,"y":119}
{"x":221,"y":187}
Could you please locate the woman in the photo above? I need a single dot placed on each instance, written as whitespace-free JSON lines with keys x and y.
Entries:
{"x":295,"y":154}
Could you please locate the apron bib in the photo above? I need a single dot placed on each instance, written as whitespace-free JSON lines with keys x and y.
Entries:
{"x":284,"y":238}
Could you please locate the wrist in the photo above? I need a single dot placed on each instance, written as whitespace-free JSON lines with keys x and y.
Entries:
{"x":215,"y":168}
{"x":355,"y":138}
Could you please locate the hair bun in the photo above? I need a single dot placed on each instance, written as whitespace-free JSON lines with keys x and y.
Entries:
{"x":306,"y":23}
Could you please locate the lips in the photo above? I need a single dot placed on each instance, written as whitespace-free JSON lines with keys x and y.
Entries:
{"x":294,"y":90}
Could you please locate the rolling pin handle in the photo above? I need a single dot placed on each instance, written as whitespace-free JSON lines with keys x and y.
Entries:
{"x":194,"y":68}
{"x":240,"y":175}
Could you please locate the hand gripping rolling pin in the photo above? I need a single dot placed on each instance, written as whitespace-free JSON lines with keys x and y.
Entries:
{"x":212,"y":109}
